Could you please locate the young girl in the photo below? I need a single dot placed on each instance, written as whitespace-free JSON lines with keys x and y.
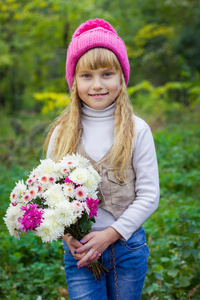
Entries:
{"x":100,"y":125}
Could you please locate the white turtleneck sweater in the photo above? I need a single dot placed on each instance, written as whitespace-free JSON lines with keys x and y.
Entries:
{"x":97,"y":138}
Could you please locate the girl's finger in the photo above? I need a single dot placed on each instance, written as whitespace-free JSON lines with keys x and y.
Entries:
{"x":86,"y":238}
{"x":88,"y":259}
{"x":82,"y":249}
{"x":77,"y":244}
{"x":79,"y":256}
{"x":94,"y":256}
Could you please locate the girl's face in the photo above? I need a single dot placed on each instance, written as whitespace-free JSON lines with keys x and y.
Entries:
{"x":98,"y":88}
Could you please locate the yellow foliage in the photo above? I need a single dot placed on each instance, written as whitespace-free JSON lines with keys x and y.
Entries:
{"x":15,"y":6}
{"x":3,"y":8}
{"x":161,"y":99}
{"x":42,"y":4}
{"x":144,"y":85}
{"x":149,"y":32}
{"x":17,"y":16}
{"x":52,"y":101}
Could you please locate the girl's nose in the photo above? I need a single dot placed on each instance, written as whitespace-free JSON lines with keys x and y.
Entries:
{"x":97,"y":83}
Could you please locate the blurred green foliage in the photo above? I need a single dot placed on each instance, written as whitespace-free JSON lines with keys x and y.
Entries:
{"x":161,"y":38}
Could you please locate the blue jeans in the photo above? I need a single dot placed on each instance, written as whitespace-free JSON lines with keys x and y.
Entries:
{"x":127,"y":282}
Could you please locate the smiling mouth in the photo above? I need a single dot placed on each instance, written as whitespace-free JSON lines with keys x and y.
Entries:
{"x":98,"y":95}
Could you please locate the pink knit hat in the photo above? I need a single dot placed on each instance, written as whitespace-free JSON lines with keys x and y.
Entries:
{"x":92,"y":34}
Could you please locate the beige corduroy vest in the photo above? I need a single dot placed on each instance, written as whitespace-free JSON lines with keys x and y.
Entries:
{"x":114,"y":196}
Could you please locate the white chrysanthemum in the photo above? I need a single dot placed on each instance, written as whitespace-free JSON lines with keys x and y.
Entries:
{"x":43,"y":178}
{"x":47,"y":166}
{"x":68,"y":189}
{"x":91,"y":183}
{"x":54,"y":195}
{"x":14,"y":196}
{"x":31,"y":180}
{"x":33,"y":173}
{"x":66,"y":157}
{"x":65,"y":214}
{"x":69,"y":161}
{"x":63,"y":168}
{"x":11,"y":219}
{"x":79,"y":175}
{"x":20,"y":187}
{"x":50,"y":230}
{"x":77,"y":208}
{"x":81,"y":161}
{"x":52,"y":179}
{"x":40,"y":189}
{"x":81,"y":193}
{"x":94,"y":173}
{"x":33,"y":191}
{"x":93,"y":195}
{"x":26,"y":197}
{"x":86,"y":208}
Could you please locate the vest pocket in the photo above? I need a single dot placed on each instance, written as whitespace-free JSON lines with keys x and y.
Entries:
{"x":123,"y":193}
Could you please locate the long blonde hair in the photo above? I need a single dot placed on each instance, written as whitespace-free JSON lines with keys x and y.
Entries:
{"x":70,"y":129}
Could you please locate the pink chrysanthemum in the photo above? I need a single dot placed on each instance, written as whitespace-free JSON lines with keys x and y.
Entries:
{"x":29,"y":181}
{"x":51,"y":179}
{"x":77,"y":207}
{"x":26,"y":197}
{"x":65,"y":170}
{"x":67,"y":180}
{"x":92,"y":205}
{"x":33,"y":192}
{"x":13,"y":196}
{"x":39,"y":186}
{"x":32,"y":217}
{"x":44,"y":178}
{"x":81,"y":193}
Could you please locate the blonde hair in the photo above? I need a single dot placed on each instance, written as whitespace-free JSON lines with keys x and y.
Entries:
{"x":70,"y":129}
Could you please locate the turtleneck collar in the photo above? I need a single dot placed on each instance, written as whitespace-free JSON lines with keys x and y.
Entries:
{"x":94,"y":113}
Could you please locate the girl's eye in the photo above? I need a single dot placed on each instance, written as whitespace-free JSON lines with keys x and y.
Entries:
{"x":86,"y":75}
{"x":107,"y":74}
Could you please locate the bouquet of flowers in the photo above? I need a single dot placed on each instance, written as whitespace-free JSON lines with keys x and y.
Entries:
{"x":58,"y":198}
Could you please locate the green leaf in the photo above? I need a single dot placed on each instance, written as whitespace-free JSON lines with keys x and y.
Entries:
{"x":184,"y":281}
{"x":165,"y":259}
{"x":154,"y":287}
{"x":186,"y":253}
{"x":84,"y":224}
{"x":18,"y":254}
{"x":195,"y":253}
{"x":173,"y":272}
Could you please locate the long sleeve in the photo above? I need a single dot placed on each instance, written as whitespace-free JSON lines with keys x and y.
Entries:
{"x":146,"y":184}
{"x":51,"y":141}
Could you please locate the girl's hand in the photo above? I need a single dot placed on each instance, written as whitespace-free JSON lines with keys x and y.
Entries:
{"x":96,"y":243}
{"x":73,"y":244}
